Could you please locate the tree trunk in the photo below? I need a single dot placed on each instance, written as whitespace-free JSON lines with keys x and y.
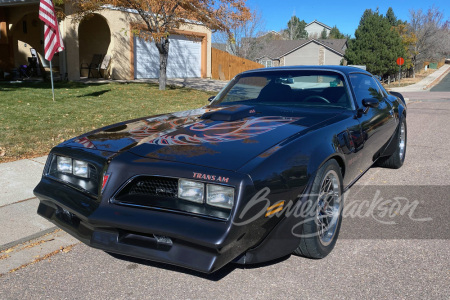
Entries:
{"x":163,"y":49}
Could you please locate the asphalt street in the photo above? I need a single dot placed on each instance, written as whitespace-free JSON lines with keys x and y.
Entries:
{"x":443,"y":86}
{"x":439,"y":92}
{"x":406,"y":262}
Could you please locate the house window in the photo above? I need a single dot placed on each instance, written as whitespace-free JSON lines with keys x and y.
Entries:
{"x":267,"y":63}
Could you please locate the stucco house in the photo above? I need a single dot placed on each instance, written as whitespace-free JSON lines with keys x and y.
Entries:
{"x":302,"y":52}
{"x":106,"y":33}
{"x":315,"y":29}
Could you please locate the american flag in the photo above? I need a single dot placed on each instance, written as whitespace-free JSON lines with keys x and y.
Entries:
{"x":85,"y":142}
{"x":53,"y":41}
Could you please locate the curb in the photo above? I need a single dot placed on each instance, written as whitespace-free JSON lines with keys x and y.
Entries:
{"x":27,"y":238}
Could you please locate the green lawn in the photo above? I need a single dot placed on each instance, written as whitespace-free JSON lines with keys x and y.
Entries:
{"x":31,"y":123}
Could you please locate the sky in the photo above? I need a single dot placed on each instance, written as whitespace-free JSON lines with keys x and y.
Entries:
{"x":344,"y":14}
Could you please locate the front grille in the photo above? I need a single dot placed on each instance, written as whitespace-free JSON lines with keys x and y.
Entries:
{"x":162,"y":193}
{"x":150,"y":186}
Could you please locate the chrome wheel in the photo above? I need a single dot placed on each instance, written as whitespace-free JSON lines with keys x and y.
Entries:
{"x":402,"y":141}
{"x":328,"y":207}
{"x":321,"y":230}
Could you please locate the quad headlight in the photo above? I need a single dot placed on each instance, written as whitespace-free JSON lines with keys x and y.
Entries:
{"x":216,"y":195}
{"x":64,"y":164}
{"x":75,"y":172}
{"x":75,"y":167}
{"x":220,"y":196}
{"x":191,"y":190}
{"x":80,"y":168}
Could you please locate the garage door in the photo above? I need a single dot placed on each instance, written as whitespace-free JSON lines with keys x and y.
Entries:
{"x":184,"y":58}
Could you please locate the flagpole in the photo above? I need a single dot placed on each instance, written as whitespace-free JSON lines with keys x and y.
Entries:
{"x":52,"y":36}
{"x":51,"y":78}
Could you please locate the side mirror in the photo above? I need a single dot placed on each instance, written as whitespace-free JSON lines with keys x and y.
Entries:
{"x":211,"y":99}
{"x":370,"y":102}
{"x":367,"y":103}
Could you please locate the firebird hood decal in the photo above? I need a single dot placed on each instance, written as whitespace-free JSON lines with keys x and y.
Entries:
{"x":187,"y":137}
{"x":200,"y":132}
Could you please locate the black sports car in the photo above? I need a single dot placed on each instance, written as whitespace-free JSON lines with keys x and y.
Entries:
{"x":256,"y":175}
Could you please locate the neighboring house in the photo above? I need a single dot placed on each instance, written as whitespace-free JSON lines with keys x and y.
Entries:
{"x":315,"y":29}
{"x":107,"y":32}
{"x":303,"y":52}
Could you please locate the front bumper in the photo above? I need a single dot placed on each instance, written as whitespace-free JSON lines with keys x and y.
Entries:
{"x":196,"y":243}
{"x":129,"y":243}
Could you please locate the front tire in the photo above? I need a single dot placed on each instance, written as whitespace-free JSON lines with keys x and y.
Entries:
{"x":322,"y":225}
{"x":396,"y":160}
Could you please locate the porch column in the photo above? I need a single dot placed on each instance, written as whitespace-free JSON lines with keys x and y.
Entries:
{"x":69,"y":31}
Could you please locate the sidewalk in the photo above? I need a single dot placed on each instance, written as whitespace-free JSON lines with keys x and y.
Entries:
{"x":25,"y":237}
{"x":18,"y":219}
{"x":425,"y":84}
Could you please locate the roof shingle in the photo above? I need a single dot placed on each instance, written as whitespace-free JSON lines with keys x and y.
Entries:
{"x":278,"y":48}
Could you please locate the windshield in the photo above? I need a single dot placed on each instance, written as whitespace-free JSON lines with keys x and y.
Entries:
{"x":318,"y":89}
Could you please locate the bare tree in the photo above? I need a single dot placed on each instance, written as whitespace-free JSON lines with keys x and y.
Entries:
{"x":296,"y":29}
{"x":432,"y":36}
{"x":245,"y":40}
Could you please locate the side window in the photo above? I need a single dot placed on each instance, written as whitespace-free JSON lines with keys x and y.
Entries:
{"x":365,"y":87}
{"x":383,"y":91}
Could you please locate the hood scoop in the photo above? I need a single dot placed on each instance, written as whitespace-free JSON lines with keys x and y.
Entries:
{"x":231,"y":113}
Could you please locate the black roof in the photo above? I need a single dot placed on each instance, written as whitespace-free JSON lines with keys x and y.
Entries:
{"x":344,"y":69}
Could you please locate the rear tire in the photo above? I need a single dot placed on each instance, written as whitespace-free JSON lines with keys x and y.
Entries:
{"x":321,"y":228}
{"x":396,"y":160}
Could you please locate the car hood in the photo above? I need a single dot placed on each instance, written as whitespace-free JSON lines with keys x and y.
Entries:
{"x":220,"y":137}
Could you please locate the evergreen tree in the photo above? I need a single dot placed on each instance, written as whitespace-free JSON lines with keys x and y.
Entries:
{"x":336,"y":34}
{"x":324,"y":34}
{"x":376,"y":45}
{"x":391,"y":17}
{"x":296,"y":29}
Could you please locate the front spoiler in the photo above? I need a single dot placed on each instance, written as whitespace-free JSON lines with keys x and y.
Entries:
{"x":179,"y":253}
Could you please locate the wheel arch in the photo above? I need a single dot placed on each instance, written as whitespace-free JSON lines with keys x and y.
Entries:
{"x":401,"y":111}
{"x":323,"y":157}
{"x":340,"y":162}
